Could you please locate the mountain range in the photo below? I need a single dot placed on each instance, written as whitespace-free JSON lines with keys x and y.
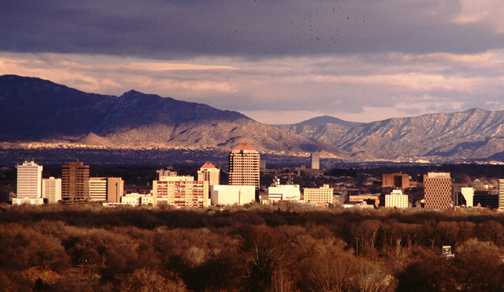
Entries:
{"x":33,"y":109}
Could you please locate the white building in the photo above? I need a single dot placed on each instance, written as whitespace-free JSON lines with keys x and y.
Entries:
{"x":181,"y":192}
{"x":97,"y":189}
{"x":468,"y":194}
{"x":131,"y":199}
{"x":284,"y":193}
{"x":232,"y":195}
{"x":29,"y":184}
{"x":322,"y":196}
{"x":51,"y":189}
{"x":396,"y":199}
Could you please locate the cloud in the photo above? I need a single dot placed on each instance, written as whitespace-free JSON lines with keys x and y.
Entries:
{"x":249,"y":28}
{"x":360,"y":87}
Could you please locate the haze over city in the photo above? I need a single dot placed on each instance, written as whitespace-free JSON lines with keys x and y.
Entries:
{"x":279,"y":62}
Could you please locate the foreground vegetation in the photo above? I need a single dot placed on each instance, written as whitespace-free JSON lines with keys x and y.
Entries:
{"x":259,"y":249}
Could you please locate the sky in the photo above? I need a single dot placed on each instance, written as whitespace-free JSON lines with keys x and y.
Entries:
{"x":278,"y":61}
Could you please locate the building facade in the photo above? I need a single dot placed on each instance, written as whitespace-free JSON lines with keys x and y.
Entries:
{"x":244,"y":166}
{"x":29,"y":184}
{"x":75,"y":182}
{"x":51,"y":189}
{"x":322,"y":196}
{"x":438,"y":190}
{"x":278,"y":193}
{"x":181,"y":192}
{"x":315,"y":161}
{"x":396,"y":199}
{"x":97,"y":189}
{"x":115,"y":189}
{"x":210,"y":173}
{"x":224,"y":195}
{"x":396,"y":181}
{"x":468,"y":194}
{"x":501,"y":194}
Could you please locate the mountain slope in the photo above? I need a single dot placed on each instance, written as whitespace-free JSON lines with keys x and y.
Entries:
{"x":473,"y":133}
{"x":36,"y":109}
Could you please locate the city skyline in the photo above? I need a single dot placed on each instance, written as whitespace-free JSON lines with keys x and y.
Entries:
{"x":355,"y":60}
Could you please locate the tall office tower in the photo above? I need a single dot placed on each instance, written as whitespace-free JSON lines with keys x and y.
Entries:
{"x":97,"y":189}
{"x":115,"y":189}
{"x":438,"y":190}
{"x":75,"y":182}
{"x":501,"y":193}
{"x":51,"y":189}
{"x":181,"y":192}
{"x":244,"y":166}
{"x":396,"y":180}
{"x":322,"y":196}
{"x":29,"y":183}
{"x":396,"y":199}
{"x":208,"y":172}
{"x":315,"y":161}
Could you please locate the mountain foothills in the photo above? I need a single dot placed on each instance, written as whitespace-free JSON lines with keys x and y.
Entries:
{"x":33,"y":109}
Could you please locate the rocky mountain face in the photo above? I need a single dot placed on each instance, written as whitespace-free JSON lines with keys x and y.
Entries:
{"x":36,"y":109}
{"x":474,"y":133}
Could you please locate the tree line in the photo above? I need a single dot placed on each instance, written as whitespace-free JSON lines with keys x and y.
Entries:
{"x":64,"y":248}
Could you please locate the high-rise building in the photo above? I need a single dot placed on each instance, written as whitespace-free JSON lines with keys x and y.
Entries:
{"x":75,"y":182}
{"x":244,"y":166}
{"x":115,"y":189}
{"x":51,"y":189}
{"x":468,"y":194}
{"x":396,"y":199}
{"x":232,"y":195}
{"x":29,"y":184}
{"x":438,"y":190}
{"x":208,"y":172}
{"x":501,"y":193}
{"x":181,"y":192}
{"x":97,"y":189}
{"x":396,"y":180}
{"x":322,"y":196}
{"x":315,"y":161}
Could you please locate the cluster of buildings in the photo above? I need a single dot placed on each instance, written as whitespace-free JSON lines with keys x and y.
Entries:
{"x":243,"y":187}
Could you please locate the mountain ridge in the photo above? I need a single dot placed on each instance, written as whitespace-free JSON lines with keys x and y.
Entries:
{"x":34,"y":109}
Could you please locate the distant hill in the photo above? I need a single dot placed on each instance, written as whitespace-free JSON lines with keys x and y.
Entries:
{"x":36,"y":109}
{"x":33,"y":109}
{"x":474,"y":133}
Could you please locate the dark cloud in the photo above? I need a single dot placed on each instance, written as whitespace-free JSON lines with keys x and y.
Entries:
{"x":252,"y":28}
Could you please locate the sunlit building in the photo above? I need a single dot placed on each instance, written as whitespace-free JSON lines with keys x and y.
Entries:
{"x":501,"y":194}
{"x":278,"y":193}
{"x":396,"y":180}
{"x":244,"y":166}
{"x":315,"y":161}
{"x":396,"y":199}
{"x":97,"y":189}
{"x":115,"y":189}
{"x":29,"y":184}
{"x":181,"y":192}
{"x":222,"y":195}
{"x":51,"y":189}
{"x":438,"y":190}
{"x":468,"y":194}
{"x":322,"y":196}
{"x":210,"y":173}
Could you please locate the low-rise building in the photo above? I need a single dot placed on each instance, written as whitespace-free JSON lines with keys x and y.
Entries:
{"x":222,"y":195}
{"x":51,"y":189}
{"x":131,"y":199}
{"x":279,"y":192}
{"x":322,"y":196}
{"x":396,"y":199}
